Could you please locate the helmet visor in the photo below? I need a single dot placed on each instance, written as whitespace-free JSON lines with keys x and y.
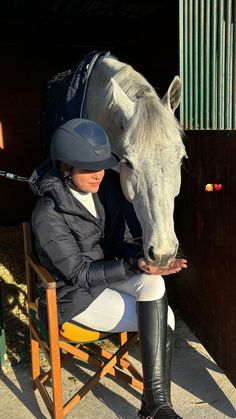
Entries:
{"x":98,"y":165}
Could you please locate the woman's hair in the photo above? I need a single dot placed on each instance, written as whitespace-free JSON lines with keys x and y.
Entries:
{"x":61,"y":166}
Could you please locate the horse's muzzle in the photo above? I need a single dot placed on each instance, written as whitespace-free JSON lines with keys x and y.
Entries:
{"x":161,"y":261}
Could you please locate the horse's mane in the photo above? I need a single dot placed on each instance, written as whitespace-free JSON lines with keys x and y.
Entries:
{"x":153,"y":121}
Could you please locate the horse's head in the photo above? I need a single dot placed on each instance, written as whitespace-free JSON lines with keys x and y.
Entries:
{"x":145,"y":134}
{"x":151,"y":151}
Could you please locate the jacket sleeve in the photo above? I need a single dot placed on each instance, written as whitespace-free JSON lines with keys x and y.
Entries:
{"x":62,"y":253}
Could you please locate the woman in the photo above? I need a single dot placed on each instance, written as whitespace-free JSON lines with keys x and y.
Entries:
{"x":84,"y":242}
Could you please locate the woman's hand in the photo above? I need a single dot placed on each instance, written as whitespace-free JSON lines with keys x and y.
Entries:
{"x":174,"y":267}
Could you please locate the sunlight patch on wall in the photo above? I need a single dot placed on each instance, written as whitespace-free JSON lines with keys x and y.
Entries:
{"x":1,"y":137}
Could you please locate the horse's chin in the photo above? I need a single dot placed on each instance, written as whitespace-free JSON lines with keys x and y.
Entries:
{"x":156,"y":264}
{"x":162,"y":266}
{"x":159,"y":266}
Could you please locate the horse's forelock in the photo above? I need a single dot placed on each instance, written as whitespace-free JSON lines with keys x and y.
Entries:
{"x":152,"y":122}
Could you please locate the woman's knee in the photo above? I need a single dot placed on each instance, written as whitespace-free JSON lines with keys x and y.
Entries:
{"x":111,"y":311}
{"x":151,"y":287}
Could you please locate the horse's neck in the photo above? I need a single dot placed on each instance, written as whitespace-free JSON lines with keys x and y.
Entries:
{"x":96,"y":92}
{"x":97,"y":107}
{"x":109,"y":67}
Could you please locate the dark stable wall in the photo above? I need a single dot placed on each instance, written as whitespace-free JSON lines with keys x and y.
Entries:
{"x":206,"y":228}
{"x":23,"y":76}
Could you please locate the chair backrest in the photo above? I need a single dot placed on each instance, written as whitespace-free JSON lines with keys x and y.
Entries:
{"x":28,"y":253}
{"x":33,"y":267}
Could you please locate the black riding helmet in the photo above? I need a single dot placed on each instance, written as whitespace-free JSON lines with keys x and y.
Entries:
{"x":82,"y":143}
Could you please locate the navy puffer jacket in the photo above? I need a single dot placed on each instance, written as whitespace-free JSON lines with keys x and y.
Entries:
{"x":82,"y":252}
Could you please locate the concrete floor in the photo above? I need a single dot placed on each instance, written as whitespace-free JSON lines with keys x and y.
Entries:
{"x":199,"y":388}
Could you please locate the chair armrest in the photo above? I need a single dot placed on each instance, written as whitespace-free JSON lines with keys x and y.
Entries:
{"x":42,"y":272}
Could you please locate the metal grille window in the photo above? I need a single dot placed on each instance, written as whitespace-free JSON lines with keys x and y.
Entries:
{"x":207,"y":41}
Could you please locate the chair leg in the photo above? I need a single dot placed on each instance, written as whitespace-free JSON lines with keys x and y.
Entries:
{"x":55,"y":356}
{"x":123,"y":340}
{"x":35,"y":364}
{"x":56,"y":384}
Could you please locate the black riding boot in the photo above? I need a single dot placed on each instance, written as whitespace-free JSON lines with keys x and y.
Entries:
{"x":168,"y":364}
{"x":152,"y":323}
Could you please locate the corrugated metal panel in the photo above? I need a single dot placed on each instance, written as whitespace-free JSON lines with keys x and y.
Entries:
{"x":207,"y":63}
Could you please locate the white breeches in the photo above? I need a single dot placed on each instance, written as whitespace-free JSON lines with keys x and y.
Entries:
{"x":114,"y":310}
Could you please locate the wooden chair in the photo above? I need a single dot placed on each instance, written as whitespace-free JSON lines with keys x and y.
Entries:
{"x":59,"y":345}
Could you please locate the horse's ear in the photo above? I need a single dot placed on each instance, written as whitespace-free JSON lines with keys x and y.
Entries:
{"x":173,"y":94}
{"x":122,"y":100}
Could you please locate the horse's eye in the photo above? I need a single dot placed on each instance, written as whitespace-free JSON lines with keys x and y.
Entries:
{"x":121,"y":125}
{"x":126,"y":162}
{"x":129,"y":164}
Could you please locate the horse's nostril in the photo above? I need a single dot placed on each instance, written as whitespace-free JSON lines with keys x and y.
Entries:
{"x":151,"y":252}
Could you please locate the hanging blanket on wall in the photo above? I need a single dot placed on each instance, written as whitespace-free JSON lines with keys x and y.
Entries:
{"x":64,"y":96}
